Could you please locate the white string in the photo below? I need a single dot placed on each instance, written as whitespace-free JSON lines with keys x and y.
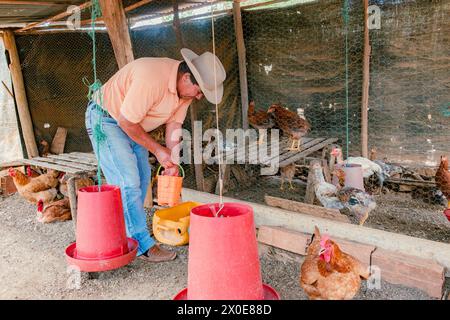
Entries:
{"x":218,"y":140}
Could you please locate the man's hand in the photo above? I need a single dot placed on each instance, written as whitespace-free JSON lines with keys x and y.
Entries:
{"x":172,"y":171}
{"x":163,"y":155}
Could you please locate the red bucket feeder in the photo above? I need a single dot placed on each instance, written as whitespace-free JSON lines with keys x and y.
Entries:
{"x":447,"y":214}
{"x":223,"y":256}
{"x":101,"y":241}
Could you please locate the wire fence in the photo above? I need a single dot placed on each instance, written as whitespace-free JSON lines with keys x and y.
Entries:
{"x":297,"y":55}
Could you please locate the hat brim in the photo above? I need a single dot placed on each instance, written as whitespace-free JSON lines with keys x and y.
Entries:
{"x":211,"y":95}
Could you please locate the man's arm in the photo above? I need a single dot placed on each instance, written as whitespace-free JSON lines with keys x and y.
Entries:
{"x":138,"y":135}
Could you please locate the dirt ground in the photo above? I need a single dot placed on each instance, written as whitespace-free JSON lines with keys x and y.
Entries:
{"x":32,"y":266}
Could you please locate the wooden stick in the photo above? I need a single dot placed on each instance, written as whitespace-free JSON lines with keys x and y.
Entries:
{"x":20,"y":93}
{"x":116,"y":23}
{"x":238,"y":30}
{"x":365,"y":91}
{"x":71,"y":189}
{"x":7,"y":89}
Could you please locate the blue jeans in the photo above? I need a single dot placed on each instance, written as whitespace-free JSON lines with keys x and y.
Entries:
{"x":125,"y":164}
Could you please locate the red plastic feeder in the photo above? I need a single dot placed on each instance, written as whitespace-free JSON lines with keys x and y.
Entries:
{"x":101,"y":241}
{"x":223,"y":256}
{"x":447,"y":214}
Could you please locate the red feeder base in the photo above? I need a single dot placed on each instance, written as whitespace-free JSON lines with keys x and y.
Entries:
{"x":97,"y":265}
{"x":269,"y":294}
{"x":447,"y":214}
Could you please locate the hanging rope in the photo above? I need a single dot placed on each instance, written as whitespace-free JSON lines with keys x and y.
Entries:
{"x":95,"y":90}
{"x":345,"y":14}
{"x":218,"y":140}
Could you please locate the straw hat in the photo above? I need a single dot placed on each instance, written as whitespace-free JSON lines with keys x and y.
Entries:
{"x":202,"y":68}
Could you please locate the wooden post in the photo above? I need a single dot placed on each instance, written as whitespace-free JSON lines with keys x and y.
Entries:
{"x":20,"y":94}
{"x":72,"y":191}
{"x":242,"y":61}
{"x":197,"y":155}
{"x":116,"y":23}
{"x":365,"y":91}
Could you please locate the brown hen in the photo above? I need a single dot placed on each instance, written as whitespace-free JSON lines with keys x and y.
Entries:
{"x":260,"y":120}
{"x":328,"y":273}
{"x":442,"y":178}
{"x":291,"y":124}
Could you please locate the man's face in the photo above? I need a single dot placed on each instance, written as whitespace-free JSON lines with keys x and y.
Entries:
{"x":187,"y":90}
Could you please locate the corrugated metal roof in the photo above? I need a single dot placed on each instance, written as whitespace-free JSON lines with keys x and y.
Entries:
{"x":25,"y":12}
{"x":14,"y":12}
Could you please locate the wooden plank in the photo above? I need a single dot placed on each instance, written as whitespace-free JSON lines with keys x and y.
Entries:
{"x":305,"y":146}
{"x":298,"y":242}
{"x":91,"y":155}
{"x":307,"y":152}
{"x":305,"y":208}
{"x":116,"y":23}
{"x":66,"y":157}
{"x":289,"y":240}
{"x":365,"y":88}
{"x":72,"y":165}
{"x":20,"y":94}
{"x":310,"y":194}
{"x":287,"y":154}
{"x":239,"y":33}
{"x":411,"y":182}
{"x":59,"y":141}
{"x":48,"y":165}
{"x":14,"y":163}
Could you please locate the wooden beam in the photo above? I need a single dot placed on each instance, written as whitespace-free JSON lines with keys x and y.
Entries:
{"x":306,"y":208}
{"x":33,"y":3}
{"x":197,"y":154}
{"x":54,"y":18}
{"x":270,"y":216}
{"x":20,"y":94}
{"x":365,"y":91}
{"x":116,"y":23}
{"x":242,"y":61}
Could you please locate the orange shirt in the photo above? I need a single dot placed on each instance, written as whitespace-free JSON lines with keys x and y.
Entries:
{"x":145,"y":92}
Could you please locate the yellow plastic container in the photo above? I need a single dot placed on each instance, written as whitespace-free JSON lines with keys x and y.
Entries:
{"x":170,"y":226}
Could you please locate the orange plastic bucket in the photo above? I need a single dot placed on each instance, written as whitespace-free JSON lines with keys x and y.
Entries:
{"x":169,"y":189}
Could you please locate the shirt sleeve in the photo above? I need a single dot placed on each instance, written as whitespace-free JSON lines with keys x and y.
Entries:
{"x":139,"y":99}
{"x":179,"y":115}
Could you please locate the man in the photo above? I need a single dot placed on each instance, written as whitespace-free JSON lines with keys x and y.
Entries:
{"x":140,"y":97}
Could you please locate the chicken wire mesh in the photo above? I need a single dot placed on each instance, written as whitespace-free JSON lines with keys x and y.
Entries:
{"x":296,"y":54}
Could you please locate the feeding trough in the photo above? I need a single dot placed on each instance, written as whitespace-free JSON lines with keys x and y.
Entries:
{"x":223,"y":255}
{"x":101,"y":241}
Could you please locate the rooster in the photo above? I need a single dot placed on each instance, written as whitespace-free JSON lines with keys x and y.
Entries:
{"x":259,"y":120}
{"x":42,"y":187}
{"x":291,"y":124}
{"x":329,"y":273}
{"x":442,"y":178}
{"x":55,"y":211}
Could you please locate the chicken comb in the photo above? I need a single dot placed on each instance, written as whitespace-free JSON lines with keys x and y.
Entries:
{"x":324,"y":239}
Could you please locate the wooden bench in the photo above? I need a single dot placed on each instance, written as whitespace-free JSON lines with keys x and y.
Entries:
{"x":285,"y":156}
